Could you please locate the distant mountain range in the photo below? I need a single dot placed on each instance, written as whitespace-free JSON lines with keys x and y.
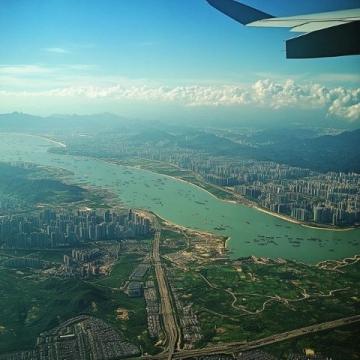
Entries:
{"x":304,"y":148}
{"x":296,"y":147}
{"x":20,"y":122}
{"x":325,"y":153}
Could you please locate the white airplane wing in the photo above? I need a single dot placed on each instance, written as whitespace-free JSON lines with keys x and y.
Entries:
{"x":334,"y":33}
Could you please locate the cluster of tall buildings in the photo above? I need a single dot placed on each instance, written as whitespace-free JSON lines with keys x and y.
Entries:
{"x":324,"y":198}
{"x":331,"y":198}
{"x":54,"y":228}
{"x":305,"y":195}
{"x":87,"y":262}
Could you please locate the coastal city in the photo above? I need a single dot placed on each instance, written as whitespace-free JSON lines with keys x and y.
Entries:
{"x":152,"y":289}
{"x":329,"y":199}
{"x":179,"y":180}
{"x":52,"y":229}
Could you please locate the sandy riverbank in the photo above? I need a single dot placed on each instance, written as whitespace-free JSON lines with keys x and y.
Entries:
{"x":239,"y":201}
{"x":176,"y":178}
{"x":40,"y":137}
{"x":50,"y":140}
{"x":294,"y":221}
{"x":265,"y":211}
{"x":253,"y":205}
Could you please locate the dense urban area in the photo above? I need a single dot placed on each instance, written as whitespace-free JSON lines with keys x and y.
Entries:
{"x":91,"y":245}
{"x":321,"y":198}
{"x":84,"y":276}
{"x":50,"y":229}
{"x":179,"y":180}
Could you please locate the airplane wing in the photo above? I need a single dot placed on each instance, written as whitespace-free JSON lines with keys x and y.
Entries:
{"x":326,"y":34}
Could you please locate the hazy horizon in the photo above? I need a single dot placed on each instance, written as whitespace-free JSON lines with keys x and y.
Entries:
{"x":168,"y":60}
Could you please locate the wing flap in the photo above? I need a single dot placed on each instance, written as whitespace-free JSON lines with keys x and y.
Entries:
{"x":278,"y":22}
{"x":326,"y":34}
{"x":339,"y":17}
{"x":316,"y":25}
{"x":334,"y":41}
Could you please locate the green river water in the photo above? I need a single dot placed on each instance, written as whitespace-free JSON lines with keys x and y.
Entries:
{"x":251,"y":232}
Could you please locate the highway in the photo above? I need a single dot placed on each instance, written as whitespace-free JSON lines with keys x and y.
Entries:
{"x":173,"y":333}
{"x":169,"y":319}
{"x":237,"y":347}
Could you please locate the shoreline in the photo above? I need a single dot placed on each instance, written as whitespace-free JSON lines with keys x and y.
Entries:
{"x":170,"y":177}
{"x":227,"y":239}
{"x":184,"y":228}
{"x":246,"y":203}
{"x":209,"y":233}
{"x":37,"y":136}
{"x":294,"y":221}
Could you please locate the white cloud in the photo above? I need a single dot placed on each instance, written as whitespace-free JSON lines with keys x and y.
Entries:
{"x":23,"y":70}
{"x":57,"y":50}
{"x":345,"y":104}
{"x":339,"y":101}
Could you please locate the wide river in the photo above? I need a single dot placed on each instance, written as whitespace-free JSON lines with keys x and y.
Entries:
{"x":251,"y":232}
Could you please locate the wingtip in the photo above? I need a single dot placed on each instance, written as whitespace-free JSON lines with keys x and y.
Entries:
{"x":243,"y":14}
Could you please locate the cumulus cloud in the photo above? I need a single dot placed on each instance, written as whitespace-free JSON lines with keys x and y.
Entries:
{"x":340,"y":101}
{"x":345,"y":103}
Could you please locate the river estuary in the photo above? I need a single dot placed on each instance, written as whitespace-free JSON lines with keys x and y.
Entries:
{"x":251,"y":232}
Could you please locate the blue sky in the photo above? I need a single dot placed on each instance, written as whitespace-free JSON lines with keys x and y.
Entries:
{"x":89,"y":49}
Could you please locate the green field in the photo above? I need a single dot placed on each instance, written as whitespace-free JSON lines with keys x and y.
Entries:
{"x":120,"y":272}
{"x":341,"y":343}
{"x":229,"y":298}
{"x":54,"y":256}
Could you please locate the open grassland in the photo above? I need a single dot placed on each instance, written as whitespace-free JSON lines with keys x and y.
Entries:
{"x":339,"y":343}
{"x":120,"y":272}
{"x":244,"y":300}
{"x":53,"y":256}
